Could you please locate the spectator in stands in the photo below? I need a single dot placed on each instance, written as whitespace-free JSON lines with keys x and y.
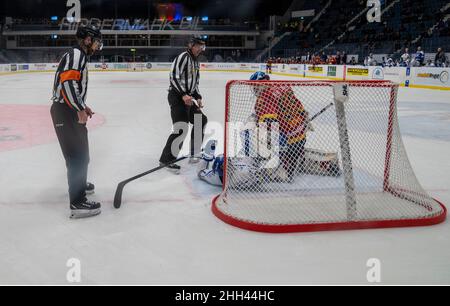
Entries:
{"x":370,"y":61}
{"x":218,"y":58}
{"x":332,"y":60}
{"x":405,"y":59}
{"x":301,"y":27}
{"x":440,"y":59}
{"x":344,"y":58}
{"x":419,"y":58}
{"x":390,"y":62}
{"x":308,"y":57}
{"x":317,"y":60}
{"x":430,"y":63}
{"x":442,"y":27}
{"x":353,"y":61}
{"x":338,"y":58}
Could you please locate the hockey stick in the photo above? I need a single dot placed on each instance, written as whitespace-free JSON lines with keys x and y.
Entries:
{"x":321,"y":111}
{"x":121,"y":185}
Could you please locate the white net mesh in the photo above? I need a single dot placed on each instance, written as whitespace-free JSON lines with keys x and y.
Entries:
{"x":301,"y":153}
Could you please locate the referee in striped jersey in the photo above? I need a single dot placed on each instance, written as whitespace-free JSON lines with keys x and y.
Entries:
{"x":70,"y":113}
{"x":184,"y":81}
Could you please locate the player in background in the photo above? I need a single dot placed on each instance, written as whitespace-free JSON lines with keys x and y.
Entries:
{"x":269,"y":66}
{"x":70,"y":114}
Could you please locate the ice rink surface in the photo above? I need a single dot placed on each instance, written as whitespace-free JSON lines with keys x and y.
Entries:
{"x":165,"y":232}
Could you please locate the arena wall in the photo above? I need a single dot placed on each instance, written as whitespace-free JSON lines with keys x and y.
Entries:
{"x":415,"y":77}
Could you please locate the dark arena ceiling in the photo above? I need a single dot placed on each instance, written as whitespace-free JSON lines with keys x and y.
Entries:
{"x":233,"y":9}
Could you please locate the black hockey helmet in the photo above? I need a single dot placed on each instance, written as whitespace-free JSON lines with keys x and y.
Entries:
{"x":89,"y":31}
{"x":197,"y":40}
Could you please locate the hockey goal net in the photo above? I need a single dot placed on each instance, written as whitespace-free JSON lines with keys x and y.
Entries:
{"x":318,"y":155}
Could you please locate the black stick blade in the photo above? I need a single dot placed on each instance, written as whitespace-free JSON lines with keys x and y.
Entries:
{"x":119,"y":190}
{"x":118,"y":196}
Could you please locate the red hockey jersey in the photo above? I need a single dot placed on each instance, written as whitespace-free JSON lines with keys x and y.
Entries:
{"x":279,"y":104}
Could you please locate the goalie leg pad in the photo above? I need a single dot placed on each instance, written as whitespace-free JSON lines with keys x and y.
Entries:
{"x":317,"y":162}
{"x":293,"y":157}
{"x":211,"y":177}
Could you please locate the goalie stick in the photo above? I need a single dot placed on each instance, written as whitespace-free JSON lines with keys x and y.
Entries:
{"x":321,"y":111}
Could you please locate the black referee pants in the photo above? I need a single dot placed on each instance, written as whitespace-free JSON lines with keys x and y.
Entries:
{"x":182,"y":115}
{"x":73,"y":139}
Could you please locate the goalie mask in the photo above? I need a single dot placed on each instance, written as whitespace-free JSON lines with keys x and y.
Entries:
{"x":259,"y":76}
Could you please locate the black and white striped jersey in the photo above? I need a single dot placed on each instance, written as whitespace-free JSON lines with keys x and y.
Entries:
{"x":185,"y":75}
{"x":71,"y":80}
